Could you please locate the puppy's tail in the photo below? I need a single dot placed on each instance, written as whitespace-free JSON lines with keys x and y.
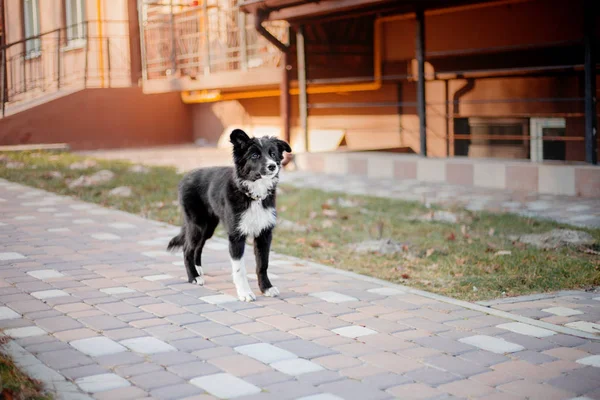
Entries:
{"x":177,"y":241}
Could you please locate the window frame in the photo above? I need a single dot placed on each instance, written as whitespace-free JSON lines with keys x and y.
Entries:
{"x":75,"y":24}
{"x":31,"y":28}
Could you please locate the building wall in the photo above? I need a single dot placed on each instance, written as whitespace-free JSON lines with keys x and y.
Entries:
{"x":455,"y":41}
{"x":102,"y":118}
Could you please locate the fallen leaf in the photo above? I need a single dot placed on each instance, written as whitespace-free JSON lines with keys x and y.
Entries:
{"x":491,"y":232}
{"x":405,"y":276}
{"x":451,"y":237}
{"x":463,"y":229}
{"x":312,"y":215}
{"x":503,"y":253}
{"x":301,"y":240}
{"x":429,"y":252}
{"x":325,"y":206}
{"x":320,"y":243}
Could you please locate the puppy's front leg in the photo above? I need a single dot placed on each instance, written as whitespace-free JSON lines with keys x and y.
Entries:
{"x":238,"y":268}
{"x":262,"y":247}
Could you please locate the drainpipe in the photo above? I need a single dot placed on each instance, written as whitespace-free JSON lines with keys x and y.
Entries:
{"x":420,"y":52}
{"x":591,"y":121}
{"x":284,"y":92}
{"x":100,"y":42}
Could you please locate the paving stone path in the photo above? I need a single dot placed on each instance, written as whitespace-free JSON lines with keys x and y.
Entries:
{"x":582,"y":212}
{"x":97,"y":309}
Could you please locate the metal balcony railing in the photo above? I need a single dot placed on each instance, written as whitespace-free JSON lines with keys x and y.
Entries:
{"x":60,"y":60}
{"x":194,"y":38}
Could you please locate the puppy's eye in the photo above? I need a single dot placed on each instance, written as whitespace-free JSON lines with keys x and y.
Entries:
{"x":272,"y":154}
{"x":255,"y":156}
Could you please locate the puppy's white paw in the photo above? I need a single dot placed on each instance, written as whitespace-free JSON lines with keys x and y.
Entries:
{"x":246,"y":295}
{"x":272,"y":292}
{"x":198,"y":281}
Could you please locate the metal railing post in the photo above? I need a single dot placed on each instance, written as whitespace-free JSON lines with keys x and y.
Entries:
{"x":108,"y":60}
{"x":143,"y":23}
{"x":173,"y":42}
{"x":58,"y":61}
{"x":302,"y":96}
{"x":206,"y":38}
{"x":243,"y":41}
{"x":85,"y":54}
{"x":2,"y":80}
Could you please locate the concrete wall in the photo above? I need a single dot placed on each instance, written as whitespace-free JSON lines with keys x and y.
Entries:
{"x":102,"y":118}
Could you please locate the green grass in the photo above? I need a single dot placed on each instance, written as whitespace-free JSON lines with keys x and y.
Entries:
{"x":14,"y":384}
{"x":457,"y":260}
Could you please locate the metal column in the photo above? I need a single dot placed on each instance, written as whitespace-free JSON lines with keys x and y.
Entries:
{"x":420,"y":53}
{"x":173,"y":41}
{"x":591,"y":120}
{"x":284,"y":98}
{"x":302,"y":97}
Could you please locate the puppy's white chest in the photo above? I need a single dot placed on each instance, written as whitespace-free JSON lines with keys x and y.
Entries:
{"x":256,"y":219}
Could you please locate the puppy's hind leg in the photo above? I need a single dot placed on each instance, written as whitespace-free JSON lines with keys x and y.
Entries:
{"x":206,"y":233}
{"x":193,"y":237}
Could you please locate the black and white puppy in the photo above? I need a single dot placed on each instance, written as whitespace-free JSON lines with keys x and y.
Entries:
{"x":242,"y":198}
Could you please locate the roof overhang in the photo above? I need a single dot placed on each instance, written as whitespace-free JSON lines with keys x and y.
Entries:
{"x":302,"y":9}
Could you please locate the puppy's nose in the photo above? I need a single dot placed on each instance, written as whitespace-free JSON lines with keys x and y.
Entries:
{"x":271,"y":167}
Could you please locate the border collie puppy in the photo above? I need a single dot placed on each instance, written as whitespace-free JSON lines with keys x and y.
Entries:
{"x":242,"y":198}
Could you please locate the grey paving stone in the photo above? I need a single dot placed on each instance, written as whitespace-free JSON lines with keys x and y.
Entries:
{"x":115,"y":360}
{"x":234,"y":340}
{"x":185,"y":319}
{"x":320,"y":377}
{"x":353,"y":390}
{"x":147,"y":345}
{"x":305,"y":348}
{"x":443,"y":344}
{"x":534,"y":357}
{"x":180,"y":391}
{"x":103,"y":322}
{"x":157,"y":379}
{"x":192,"y":344}
{"x":210,"y":329}
{"x":484,"y":358}
{"x":194,"y":369}
{"x":274,"y":336}
{"x":83,"y":371}
{"x":529,"y":343}
{"x":386,"y":380}
{"x":127,"y":371}
{"x":101,"y":383}
{"x":267,"y":378}
{"x":58,"y":324}
{"x":291,"y":389}
{"x":97,"y":346}
{"x":265,"y":353}
{"x":456,"y":365}
{"x":574,"y":383}
{"x":225,"y":385}
{"x":62,"y":359}
{"x":432,"y":376}
{"x":172,"y":358}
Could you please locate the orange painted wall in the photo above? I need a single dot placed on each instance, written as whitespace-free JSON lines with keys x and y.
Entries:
{"x":102,"y":118}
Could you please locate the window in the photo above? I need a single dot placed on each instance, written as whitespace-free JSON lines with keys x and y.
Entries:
{"x":32,"y":26}
{"x":75,"y":18}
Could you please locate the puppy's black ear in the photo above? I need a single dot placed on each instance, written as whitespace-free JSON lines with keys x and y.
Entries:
{"x":238,"y":138}
{"x":283,"y":146}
